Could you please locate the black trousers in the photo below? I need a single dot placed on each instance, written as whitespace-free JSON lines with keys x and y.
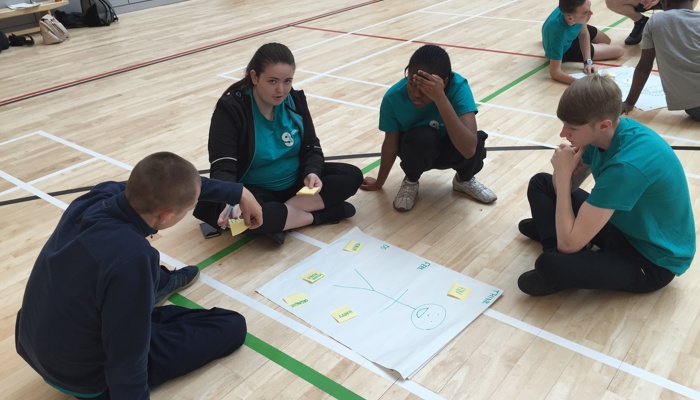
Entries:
{"x":183,"y":340}
{"x":421,"y":150}
{"x":340,"y":182}
{"x":616,"y":265}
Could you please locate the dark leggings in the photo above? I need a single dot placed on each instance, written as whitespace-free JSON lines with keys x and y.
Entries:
{"x":183,"y":340}
{"x":340,"y":181}
{"x":574,"y":52}
{"x":616,"y":265}
{"x":421,"y":150}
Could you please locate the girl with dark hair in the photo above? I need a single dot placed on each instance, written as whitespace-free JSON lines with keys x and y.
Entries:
{"x":262,"y":135}
{"x":429,"y":123}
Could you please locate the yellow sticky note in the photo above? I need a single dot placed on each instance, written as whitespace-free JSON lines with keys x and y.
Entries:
{"x":237,"y":226}
{"x":343,"y":314}
{"x":306,"y":191}
{"x":353,"y":246}
{"x":312,"y":276}
{"x":296,"y":300}
{"x":459,"y":292}
{"x":611,"y":74}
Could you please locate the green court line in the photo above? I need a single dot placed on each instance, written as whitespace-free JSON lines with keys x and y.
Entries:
{"x":303,"y":371}
{"x":371,"y":166}
{"x":506,"y":87}
{"x":283,"y":359}
{"x":226,"y":251}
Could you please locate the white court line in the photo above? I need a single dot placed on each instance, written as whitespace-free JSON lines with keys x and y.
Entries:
{"x":407,"y":384}
{"x":51,"y":175}
{"x":308,"y":332}
{"x":86,"y":150}
{"x":570,"y":345}
{"x":403,"y":43}
{"x":31,"y":189}
{"x":345,"y":78}
{"x":512,"y":19}
{"x":347,"y":353}
{"x":225,"y":74}
{"x":18,"y":138}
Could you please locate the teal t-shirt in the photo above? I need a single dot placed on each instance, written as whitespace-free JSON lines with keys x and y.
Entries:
{"x":398,"y":113}
{"x":641,"y":178}
{"x":557,"y":35}
{"x":275,"y":164}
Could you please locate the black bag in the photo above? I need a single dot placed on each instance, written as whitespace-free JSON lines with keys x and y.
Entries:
{"x":98,"y":12}
{"x":22,"y":40}
{"x":70,"y":20}
{"x":4,"y":41}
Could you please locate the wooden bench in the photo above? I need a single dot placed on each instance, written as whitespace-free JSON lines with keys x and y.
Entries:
{"x":43,"y":8}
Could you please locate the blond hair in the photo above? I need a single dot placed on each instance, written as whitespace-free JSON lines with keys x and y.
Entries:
{"x":590,"y":99}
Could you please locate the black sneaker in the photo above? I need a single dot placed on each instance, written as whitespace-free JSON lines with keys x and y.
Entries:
{"x":532,"y":283}
{"x":636,"y":35}
{"x":179,"y":279}
{"x":527,"y":228}
{"x":333,"y":215}
{"x":277,"y":237}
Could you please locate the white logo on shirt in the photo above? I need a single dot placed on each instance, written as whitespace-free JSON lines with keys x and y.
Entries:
{"x":288,"y":139}
{"x":434,"y":124}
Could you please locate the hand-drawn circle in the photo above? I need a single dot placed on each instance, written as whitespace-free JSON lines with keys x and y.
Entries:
{"x":428,"y":316}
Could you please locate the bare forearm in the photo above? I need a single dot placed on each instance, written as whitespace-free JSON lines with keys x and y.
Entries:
{"x":462,"y":136}
{"x":564,"y":215}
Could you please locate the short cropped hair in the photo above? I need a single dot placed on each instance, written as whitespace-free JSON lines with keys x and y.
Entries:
{"x":570,"y":6}
{"x":162,"y":181}
{"x":590,"y":99}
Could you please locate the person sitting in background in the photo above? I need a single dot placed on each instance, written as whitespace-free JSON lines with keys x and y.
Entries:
{"x":566,"y":36}
{"x":672,"y":38}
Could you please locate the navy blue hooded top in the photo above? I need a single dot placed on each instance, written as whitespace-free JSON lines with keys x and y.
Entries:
{"x":85,"y":321}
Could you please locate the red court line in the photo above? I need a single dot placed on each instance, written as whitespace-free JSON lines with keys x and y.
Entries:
{"x":456,"y":46}
{"x":177,"y":55}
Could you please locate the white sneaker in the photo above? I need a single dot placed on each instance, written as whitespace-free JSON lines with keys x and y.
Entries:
{"x":475,"y":189}
{"x":406,"y":196}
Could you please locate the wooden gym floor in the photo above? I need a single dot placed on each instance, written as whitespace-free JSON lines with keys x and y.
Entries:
{"x":85,"y":111}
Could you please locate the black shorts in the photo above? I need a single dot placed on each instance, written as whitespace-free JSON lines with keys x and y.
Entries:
{"x":574,"y":52}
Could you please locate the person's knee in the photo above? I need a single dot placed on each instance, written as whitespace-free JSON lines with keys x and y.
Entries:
{"x":233,"y":328}
{"x":274,"y":218}
{"x":538,"y":183}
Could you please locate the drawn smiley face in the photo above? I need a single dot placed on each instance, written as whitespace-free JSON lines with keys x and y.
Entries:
{"x":428,"y":316}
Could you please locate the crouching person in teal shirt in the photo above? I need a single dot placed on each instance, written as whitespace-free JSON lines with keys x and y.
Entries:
{"x":635,"y":231}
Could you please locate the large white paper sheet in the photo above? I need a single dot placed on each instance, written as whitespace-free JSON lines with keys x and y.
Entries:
{"x":652,"y":96}
{"x":403,"y":313}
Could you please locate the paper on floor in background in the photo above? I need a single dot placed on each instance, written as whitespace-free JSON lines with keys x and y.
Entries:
{"x":652,"y":96}
{"x":20,"y":6}
{"x":404,"y":315}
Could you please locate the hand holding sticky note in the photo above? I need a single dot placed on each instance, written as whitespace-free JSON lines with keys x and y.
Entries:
{"x":237,"y":226}
{"x":308,"y":191}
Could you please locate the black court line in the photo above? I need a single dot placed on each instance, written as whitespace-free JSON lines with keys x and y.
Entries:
{"x":340,"y":157}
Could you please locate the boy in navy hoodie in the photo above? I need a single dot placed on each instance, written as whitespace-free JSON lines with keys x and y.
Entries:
{"x":88,"y":324}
